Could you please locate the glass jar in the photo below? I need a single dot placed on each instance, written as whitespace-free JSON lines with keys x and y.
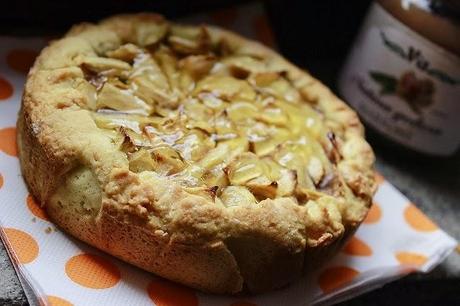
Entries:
{"x":402,"y":75}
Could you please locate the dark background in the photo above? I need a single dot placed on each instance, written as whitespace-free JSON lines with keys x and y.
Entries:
{"x":307,"y":32}
{"x":316,"y":35}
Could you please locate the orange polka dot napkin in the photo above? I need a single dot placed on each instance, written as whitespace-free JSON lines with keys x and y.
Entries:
{"x":395,"y":239}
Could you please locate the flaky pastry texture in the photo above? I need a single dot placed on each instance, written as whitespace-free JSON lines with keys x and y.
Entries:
{"x":193,"y":153}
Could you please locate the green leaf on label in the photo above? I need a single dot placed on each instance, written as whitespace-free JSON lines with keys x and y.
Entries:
{"x":387,"y":82}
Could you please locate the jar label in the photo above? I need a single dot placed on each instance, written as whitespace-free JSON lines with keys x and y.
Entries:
{"x":403,"y":85}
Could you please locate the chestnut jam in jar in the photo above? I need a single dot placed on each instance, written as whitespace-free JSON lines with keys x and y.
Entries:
{"x":402,"y":75}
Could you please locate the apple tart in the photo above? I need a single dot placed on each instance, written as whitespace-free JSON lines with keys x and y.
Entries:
{"x":193,"y":153}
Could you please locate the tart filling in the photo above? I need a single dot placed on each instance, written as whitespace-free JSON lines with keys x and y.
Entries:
{"x":229,"y":126}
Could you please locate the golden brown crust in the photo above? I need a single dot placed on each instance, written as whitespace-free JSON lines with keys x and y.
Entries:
{"x":87,"y":187}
